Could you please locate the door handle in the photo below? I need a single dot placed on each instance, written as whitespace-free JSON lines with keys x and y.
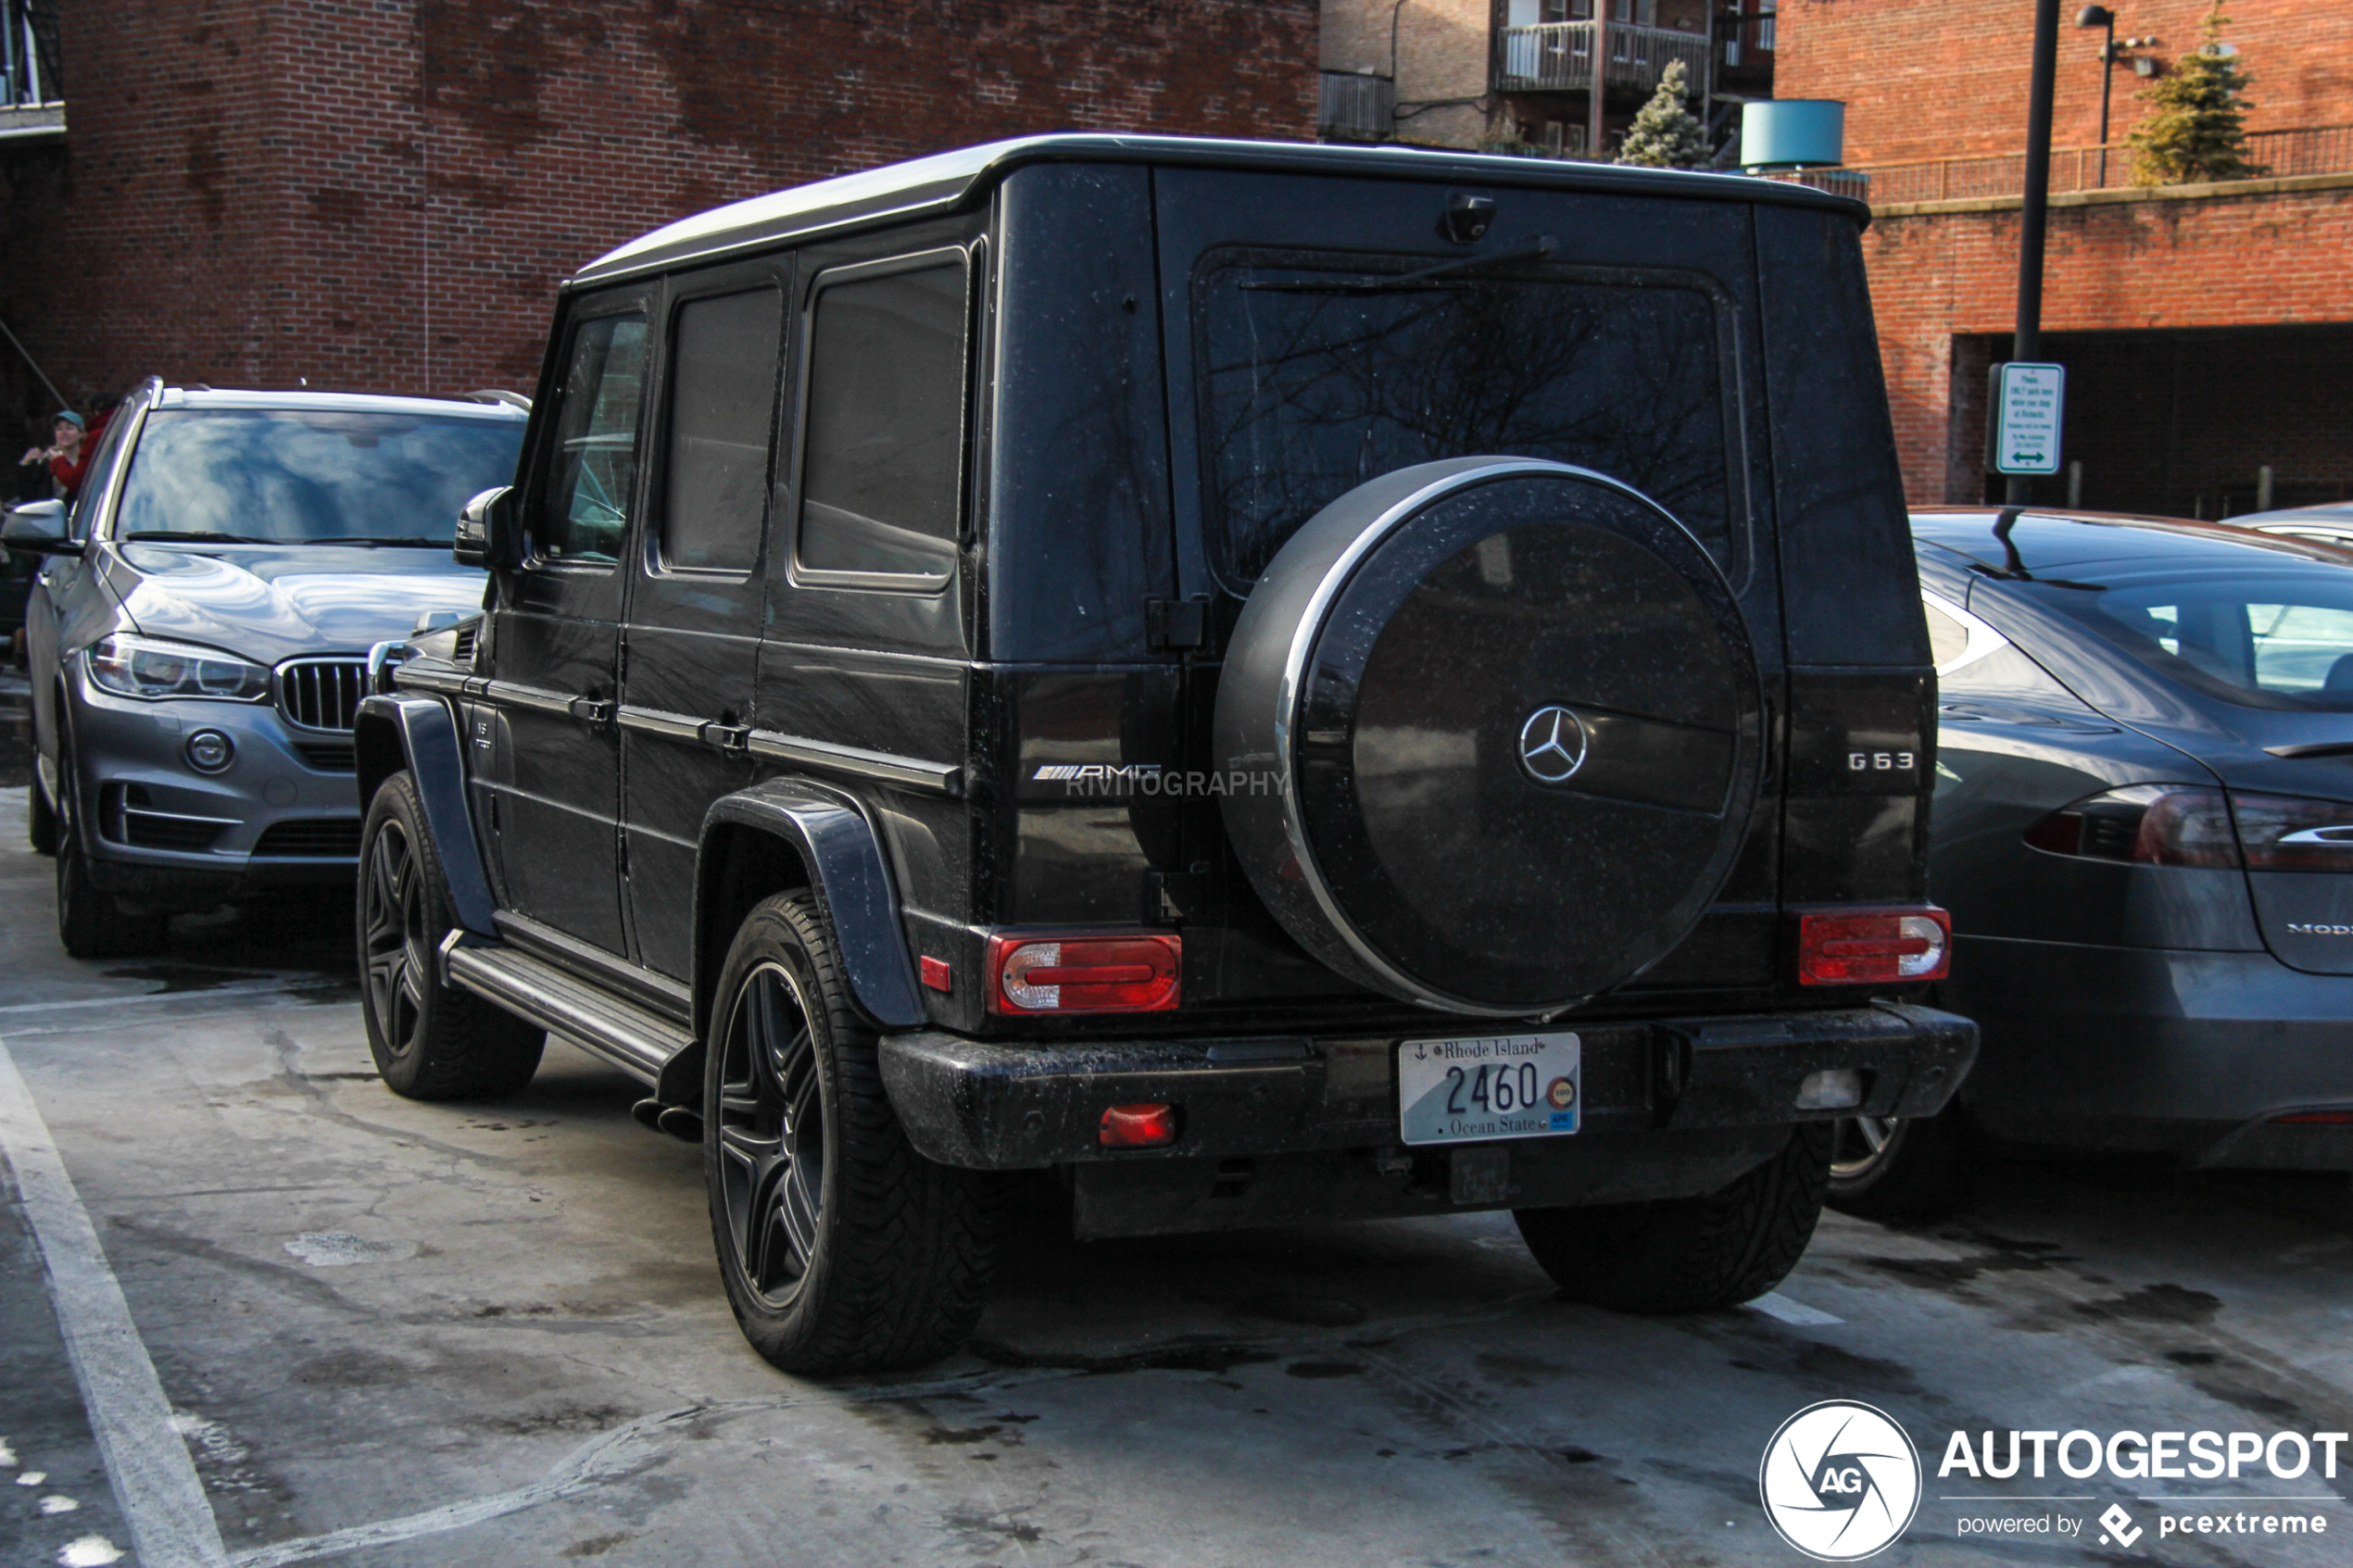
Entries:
{"x":732,"y":738}
{"x":591,"y":709}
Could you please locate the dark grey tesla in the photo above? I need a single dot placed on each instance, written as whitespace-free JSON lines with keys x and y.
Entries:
{"x":2144,"y":829}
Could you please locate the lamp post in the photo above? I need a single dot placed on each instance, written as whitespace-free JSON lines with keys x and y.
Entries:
{"x":2035,"y":206}
{"x":2101,"y":17}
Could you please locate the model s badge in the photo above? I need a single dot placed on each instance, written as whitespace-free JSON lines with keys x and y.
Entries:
{"x":1551,"y":744}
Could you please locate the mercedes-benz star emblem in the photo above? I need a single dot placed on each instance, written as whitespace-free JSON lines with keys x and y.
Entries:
{"x":1551,"y":744}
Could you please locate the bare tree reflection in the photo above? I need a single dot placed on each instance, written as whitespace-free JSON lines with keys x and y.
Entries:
{"x":1312,"y":394}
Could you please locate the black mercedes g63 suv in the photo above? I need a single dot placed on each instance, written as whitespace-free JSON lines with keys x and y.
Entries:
{"x":1277,"y":683}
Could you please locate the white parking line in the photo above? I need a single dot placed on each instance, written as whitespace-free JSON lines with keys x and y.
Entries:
{"x":1773,"y":1304}
{"x":153,"y":1479}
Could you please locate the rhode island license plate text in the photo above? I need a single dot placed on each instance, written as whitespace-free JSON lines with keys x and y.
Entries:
{"x":1515,"y":1087}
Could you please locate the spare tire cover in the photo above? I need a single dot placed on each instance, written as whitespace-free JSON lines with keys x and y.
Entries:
{"x":1491,"y":733}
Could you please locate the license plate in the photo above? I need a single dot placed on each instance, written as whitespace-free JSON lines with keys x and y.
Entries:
{"x":1466,"y":1091}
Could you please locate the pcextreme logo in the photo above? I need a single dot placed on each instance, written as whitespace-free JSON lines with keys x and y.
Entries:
{"x":1840,"y":1481}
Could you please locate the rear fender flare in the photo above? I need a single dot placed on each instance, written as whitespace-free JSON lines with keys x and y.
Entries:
{"x":845,"y":862}
{"x":420,"y":734}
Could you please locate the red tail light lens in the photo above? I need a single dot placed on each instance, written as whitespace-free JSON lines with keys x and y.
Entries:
{"x":2181,"y":825}
{"x":1863,"y":947}
{"x":1137,"y":1126}
{"x":2317,"y":1119}
{"x":1058,"y":975}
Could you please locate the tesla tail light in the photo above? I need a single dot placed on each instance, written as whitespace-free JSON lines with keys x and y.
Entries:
{"x":1864,"y":946}
{"x":1060,"y":974}
{"x":2181,"y":825}
{"x":1137,"y":1126}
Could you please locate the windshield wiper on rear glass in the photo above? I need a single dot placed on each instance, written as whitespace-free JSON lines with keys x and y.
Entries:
{"x":408,"y":542}
{"x":1537,"y":249}
{"x":189,"y":537}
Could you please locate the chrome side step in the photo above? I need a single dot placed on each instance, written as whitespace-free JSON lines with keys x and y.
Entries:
{"x":636,"y":1040}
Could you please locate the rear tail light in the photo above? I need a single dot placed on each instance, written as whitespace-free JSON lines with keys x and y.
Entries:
{"x":1059,"y":975}
{"x":2317,"y":1119}
{"x":1863,"y":947}
{"x":2183,"y":825}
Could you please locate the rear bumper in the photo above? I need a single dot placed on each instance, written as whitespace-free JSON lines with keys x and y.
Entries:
{"x":2193,"y":1054}
{"x":992,"y":1106}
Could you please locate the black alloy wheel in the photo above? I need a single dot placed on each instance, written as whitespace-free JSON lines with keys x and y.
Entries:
{"x":771,"y":1136}
{"x":394,"y":945}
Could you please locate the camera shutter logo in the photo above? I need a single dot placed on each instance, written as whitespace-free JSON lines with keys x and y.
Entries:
{"x":1840,"y":1481}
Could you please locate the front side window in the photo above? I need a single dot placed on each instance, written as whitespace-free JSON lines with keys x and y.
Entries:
{"x":882,"y":476}
{"x":1322,"y":373}
{"x":309,"y":476}
{"x":585,"y":507}
{"x":722,"y":410}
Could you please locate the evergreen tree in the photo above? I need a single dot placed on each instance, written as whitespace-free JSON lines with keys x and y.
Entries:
{"x":2196,"y":129}
{"x":1666,"y":135}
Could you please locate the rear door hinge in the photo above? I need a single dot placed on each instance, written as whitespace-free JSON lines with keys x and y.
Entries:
{"x":1177,"y":624}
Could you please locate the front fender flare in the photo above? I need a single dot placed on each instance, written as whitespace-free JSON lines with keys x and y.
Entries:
{"x":427,"y":732}
{"x":846,"y":863}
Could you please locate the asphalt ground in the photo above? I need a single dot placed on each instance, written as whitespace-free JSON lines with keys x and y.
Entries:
{"x":390,"y":1334}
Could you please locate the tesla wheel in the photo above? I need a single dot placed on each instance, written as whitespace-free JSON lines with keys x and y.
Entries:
{"x":1689,"y":1254}
{"x":430,"y":1041}
{"x":1892,"y":1168}
{"x":842,"y":1249}
{"x":39,"y":820}
{"x":92,"y":923}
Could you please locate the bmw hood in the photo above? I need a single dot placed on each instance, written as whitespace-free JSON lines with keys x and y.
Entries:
{"x":277,"y":602}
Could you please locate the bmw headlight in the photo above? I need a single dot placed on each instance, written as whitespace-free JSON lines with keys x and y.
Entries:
{"x":145,"y":667}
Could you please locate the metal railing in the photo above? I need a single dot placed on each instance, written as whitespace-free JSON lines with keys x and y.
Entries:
{"x":1558,"y":56}
{"x":2311,"y":149}
{"x":1354,"y":107}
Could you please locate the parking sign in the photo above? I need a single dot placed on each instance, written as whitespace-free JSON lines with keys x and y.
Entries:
{"x":2024,"y":415}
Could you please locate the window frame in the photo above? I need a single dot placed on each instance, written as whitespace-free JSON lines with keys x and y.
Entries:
{"x":774,"y":276}
{"x":544,"y":453}
{"x":798,"y":572}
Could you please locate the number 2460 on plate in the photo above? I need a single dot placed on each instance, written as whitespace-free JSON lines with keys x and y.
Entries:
{"x":1507,"y":1086}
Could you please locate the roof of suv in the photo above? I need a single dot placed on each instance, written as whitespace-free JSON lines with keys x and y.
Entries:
{"x":945,"y":181}
{"x":353,"y":402}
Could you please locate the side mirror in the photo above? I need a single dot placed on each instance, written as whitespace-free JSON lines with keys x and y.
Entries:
{"x":38,"y":527}
{"x":486,"y":533}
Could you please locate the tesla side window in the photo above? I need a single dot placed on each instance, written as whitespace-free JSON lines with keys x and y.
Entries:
{"x":588,"y":496}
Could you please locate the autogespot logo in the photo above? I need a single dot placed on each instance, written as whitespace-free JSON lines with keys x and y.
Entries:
{"x":1840,"y":1481}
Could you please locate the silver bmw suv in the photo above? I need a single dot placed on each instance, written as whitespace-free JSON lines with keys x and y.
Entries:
{"x":199,"y":630}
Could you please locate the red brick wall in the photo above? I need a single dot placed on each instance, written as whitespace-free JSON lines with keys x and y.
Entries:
{"x":382,"y":196}
{"x":2233,"y":261}
{"x":1933,"y":79}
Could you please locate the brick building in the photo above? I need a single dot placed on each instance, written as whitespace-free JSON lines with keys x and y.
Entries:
{"x":381,"y":194}
{"x":2208,"y":329}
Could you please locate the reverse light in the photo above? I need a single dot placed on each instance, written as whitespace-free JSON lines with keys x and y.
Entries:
{"x":1151,"y":1126}
{"x":1137,"y":972}
{"x":2183,"y":825}
{"x":1861,"y":947}
{"x":1832,"y":1088}
{"x":147,"y":667}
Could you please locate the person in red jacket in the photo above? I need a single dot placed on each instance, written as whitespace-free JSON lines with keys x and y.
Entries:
{"x":68,"y":455}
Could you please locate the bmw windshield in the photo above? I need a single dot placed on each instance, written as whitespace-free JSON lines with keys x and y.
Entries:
{"x":303,"y":476}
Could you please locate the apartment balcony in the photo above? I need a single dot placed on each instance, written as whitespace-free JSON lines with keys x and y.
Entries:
{"x":1558,"y":56}
{"x":32,"y":99}
{"x":1353,"y":108}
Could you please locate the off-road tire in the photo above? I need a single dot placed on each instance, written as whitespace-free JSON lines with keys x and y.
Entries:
{"x":895,"y":1269}
{"x":1689,"y":1254}
{"x":39,"y":820}
{"x":430,"y":1041}
{"x":1927,"y":1169}
{"x":92,"y":923}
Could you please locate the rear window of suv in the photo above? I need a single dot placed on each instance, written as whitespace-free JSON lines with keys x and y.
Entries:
{"x":1319,"y":374}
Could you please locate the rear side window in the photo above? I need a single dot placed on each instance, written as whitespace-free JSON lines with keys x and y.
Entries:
{"x":1325,"y":371}
{"x":721,"y":411}
{"x":586,"y":510}
{"x":882,"y":476}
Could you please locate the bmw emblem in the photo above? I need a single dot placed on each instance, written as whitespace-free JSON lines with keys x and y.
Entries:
{"x":1551,"y":744}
